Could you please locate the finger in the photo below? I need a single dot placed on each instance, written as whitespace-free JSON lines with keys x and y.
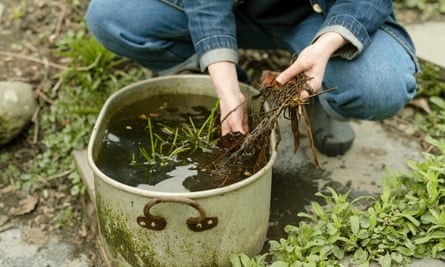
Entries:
{"x":245,"y":125}
{"x":314,"y":82}
{"x":225,"y":128}
{"x":230,"y":126}
{"x":290,"y":72}
{"x":304,"y":94}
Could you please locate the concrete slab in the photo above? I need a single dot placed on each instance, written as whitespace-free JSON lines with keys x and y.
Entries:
{"x":87,"y":175}
{"x":15,"y":251}
{"x":374,"y":153}
{"x":296,"y":180}
{"x":429,"y":39}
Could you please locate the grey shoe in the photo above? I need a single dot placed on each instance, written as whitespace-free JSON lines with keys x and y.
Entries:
{"x":331,"y":137}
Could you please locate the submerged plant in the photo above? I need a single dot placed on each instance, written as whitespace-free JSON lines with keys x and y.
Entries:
{"x":158,"y":156}
{"x":201,"y":137}
{"x":166,"y":146}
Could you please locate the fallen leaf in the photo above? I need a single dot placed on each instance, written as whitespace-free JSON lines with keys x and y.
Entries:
{"x":40,"y":3}
{"x":3,"y":219}
{"x":7,"y":189}
{"x":25,"y":206}
{"x":154,"y":115}
{"x":422,"y":103}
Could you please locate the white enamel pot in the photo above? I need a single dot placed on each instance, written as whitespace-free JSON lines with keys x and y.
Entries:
{"x":148,"y":228}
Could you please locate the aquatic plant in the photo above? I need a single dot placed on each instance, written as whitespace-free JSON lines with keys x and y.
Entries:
{"x":166,"y":146}
{"x":158,"y":156}
{"x":202,"y":137}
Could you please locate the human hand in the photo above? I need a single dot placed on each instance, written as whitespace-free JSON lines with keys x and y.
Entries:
{"x":232,"y":102}
{"x":313,"y":60}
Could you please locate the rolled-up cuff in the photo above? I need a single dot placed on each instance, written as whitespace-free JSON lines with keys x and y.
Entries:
{"x":349,"y":51}
{"x":191,"y":62}
{"x":217,"y":55}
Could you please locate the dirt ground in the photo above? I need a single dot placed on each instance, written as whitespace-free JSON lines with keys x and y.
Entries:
{"x":28,"y":32}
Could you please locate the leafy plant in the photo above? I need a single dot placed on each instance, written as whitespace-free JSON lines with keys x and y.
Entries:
{"x":433,"y":123}
{"x":407,"y":221}
{"x":431,"y":80}
{"x":93,"y":74}
{"x":423,"y":5}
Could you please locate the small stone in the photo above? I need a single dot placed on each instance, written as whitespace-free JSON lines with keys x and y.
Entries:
{"x":17,"y":105}
{"x":3,"y":219}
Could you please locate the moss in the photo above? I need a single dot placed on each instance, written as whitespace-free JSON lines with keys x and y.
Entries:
{"x":120,"y":239}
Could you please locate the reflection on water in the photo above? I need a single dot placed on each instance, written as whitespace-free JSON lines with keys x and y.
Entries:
{"x":120,"y":157}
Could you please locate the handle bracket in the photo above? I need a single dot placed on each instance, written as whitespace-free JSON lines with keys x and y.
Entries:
{"x":157,"y":223}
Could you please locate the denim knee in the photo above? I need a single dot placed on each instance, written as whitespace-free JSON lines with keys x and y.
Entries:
{"x":375,"y":98}
{"x":97,"y":19}
{"x":141,"y":31}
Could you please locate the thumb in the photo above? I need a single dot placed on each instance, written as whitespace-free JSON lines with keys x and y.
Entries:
{"x":290,"y":72}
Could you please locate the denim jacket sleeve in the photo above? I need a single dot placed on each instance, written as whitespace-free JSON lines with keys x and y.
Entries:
{"x":213,"y":30}
{"x":355,"y":20}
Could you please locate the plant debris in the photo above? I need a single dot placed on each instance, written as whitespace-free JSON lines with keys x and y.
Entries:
{"x":25,"y":206}
{"x":282,"y":98}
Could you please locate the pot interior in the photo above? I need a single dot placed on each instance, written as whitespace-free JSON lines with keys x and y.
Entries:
{"x":125,"y":113}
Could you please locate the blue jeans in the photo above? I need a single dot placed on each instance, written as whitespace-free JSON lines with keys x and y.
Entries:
{"x":373,"y":86}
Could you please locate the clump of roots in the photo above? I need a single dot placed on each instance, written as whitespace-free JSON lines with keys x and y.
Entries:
{"x":282,"y":99}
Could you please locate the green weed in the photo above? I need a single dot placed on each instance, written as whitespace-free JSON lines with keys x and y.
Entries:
{"x":19,"y":11}
{"x":433,"y":123}
{"x":407,"y":221}
{"x":431,"y":80}
{"x":64,"y":218}
{"x":93,"y":73}
{"x":427,"y":7}
{"x":202,"y":137}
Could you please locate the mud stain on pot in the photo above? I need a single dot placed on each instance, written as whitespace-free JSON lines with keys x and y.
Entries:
{"x":169,"y":143}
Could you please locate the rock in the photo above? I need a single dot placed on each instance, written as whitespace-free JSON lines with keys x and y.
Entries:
{"x":17,"y":105}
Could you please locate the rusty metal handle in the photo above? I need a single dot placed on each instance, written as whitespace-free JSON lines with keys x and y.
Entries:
{"x":197,"y":224}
